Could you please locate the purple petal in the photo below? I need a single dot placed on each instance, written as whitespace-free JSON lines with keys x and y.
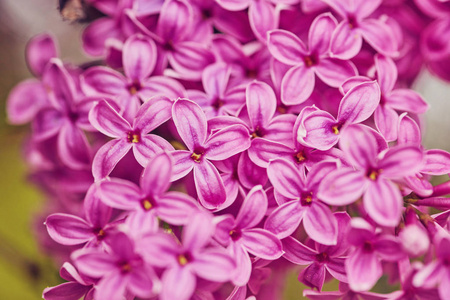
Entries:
{"x":320,"y":32}
{"x":190,"y":122}
{"x":73,"y":147}
{"x":320,"y":224}
{"x":25,"y":100}
{"x":363,"y":270}
{"x":161,"y":86}
{"x":97,"y":213}
{"x":346,"y":42}
{"x":336,"y":267}
{"x":408,"y":131}
{"x":120,"y":193}
{"x":153,"y":113}
{"x":60,"y":85}
{"x":297,"y":85}
{"x":437,"y":162}
{"x":215,"y":79}
{"x":139,"y":57}
{"x":389,"y":248}
{"x":317,"y":131}
{"x":285,"y":219}
{"x":386,"y":73}
{"x":352,"y":82}
{"x":429,"y":275}
{"x":406,"y":100}
{"x":253,"y":208}
{"x":359,"y":103}
{"x":190,"y":59}
{"x":102,"y":80}
{"x":383,"y":202}
{"x":234,"y":5}
{"x":112,"y":286}
{"x":244,"y":267}
{"x":263,"y":151}
{"x":96,"y":34}
{"x":65,"y":291}
{"x":250,"y":174}
{"x":366,"y":8}
{"x":175,"y":20}
{"x":47,"y":123}
{"x":155,"y":179}
{"x":298,"y":253}
{"x":227,"y":142}
{"x":379,"y":35}
{"x":160,"y":249}
{"x":261,"y":104}
{"x":148,"y":147}
{"x":183,"y":279}
{"x":94,"y":263}
{"x":285,"y":178}
{"x":386,"y":120}
{"x":68,"y":230}
{"x":313,"y":275}
{"x":106,"y":120}
{"x":280,"y":129}
{"x":401,"y":161}
{"x":198,"y":231}
{"x":262,"y":243}
{"x":342,"y":187}
{"x":40,"y":49}
{"x":359,"y":146}
{"x":286,"y":47}
{"x":263,"y":17}
{"x":176,"y":208}
{"x":209,"y":185}
{"x":143,"y":282}
{"x":214,"y":264}
{"x":182,"y":164}
{"x":334,"y":71}
{"x":108,"y":156}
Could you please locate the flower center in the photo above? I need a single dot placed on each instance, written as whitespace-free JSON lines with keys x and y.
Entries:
{"x":368,"y":246}
{"x":101,"y":234}
{"x":147,"y":204}
{"x":336,"y":128}
{"x":133,"y":137}
{"x":125,"y":267}
{"x":183,"y":259}
{"x":196,"y":157}
{"x":206,"y":14}
{"x":352,"y":23}
{"x":373,"y":174}
{"x":306,"y":199}
{"x":235,"y":234}
{"x":218,"y":103}
{"x":134,"y":87}
{"x":310,"y":60}
{"x":259,"y":132}
{"x":300,"y":157}
{"x":322,"y":257}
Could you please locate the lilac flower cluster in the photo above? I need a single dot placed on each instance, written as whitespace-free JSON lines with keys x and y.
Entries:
{"x":217,"y":144}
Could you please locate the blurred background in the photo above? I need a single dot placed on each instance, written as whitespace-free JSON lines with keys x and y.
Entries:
{"x":24,"y":270}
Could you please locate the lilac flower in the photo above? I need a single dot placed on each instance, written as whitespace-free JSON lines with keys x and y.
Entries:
{"x":320,"y":130}
{"x":262,"y":14}
{"x":298,"y":83}
{"x":72,"y":230}
{"x":347,"y":38}
{"x":322,"y":258}
{"x":107,"y":120}
{"x":30,"y":96}
{"x":373,"y":175}
{"x":437,"y":271}
{"x":191,"y":125}
{"x":219,"y":98}
{"x":185,"y":262}
{"x":121,"y":270}
{"x":345,"y":293}
{"x":151,"y":199}
{"x":414,"y":236}
{"x":240,"y":236}
{"x":65,"y":117}
{"x":77,"y":287}
{"x":385,"y":116}
{"x":363,"y":265}
{"x":138,"y":60}
{"x":299,"y":201}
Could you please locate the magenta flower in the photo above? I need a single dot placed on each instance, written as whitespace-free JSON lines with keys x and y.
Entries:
{"x":321,"y":259}
{"x":320,"y":130}
{"x":363,"y":265}
{"x":346,"y":293}
{"x":372,"y":176}
{"x":120,"y":271}
{"x":105,"y":118}
{"x":240,"y":236}
{"x":191,"y":125}
{"x":40,"y":50}
{"x":219,"y":98}
{"x":151,"y":199}
{"x":71,"y":230}
{"x":392,"y":100}
{"x":299,"y":81}
{"x":138,"y":60}
{"x":78,"y":286}
{"x":184,"y":262}
{"x":65,"y":117}
{"x":300,"y":202}
{"x":347,"y":38}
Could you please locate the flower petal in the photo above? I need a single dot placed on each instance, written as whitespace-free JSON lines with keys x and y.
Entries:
{"x":346,"y":42}
{"x":139,"y":57}
{"x":379,"y":35}
{"x":68,"y":230}
{"x":261,"y":104}
{"x":359,"y":103}
{"x":108,"y":121}
{"x":298,"y":253}
{"x":120,"y":193}
{"x":25,"y":101}
{"x":108,"y":156}
{"x":285,"y":219}
{"x":214,"y":264}
{"x":103,"y":81}
{"x":406,"y":100}
{"x":209,"y":185}
{"x":262,"y":243}
{"x":153,"y":113}
{"x":73,"y":147}
{"x":363,"y":270}
{"x":401,"y":161}
{"x":148,"y":147}
{"x":320,"y":32}
{"x":263,"y":17}
{"x":190,"y":122}
{"x":182,"y":164}
{"x":297,"y":85}
{"x":227,"y":142}
{"x":320,"y":224}
{"x":253,"y":208}
{"x":342,"y":187}
{"x":40,"y":49}
{"x":183,"y":279}
{"x":286,"y":47}
{"x":334,"y":72}
{"x":285,"y":178}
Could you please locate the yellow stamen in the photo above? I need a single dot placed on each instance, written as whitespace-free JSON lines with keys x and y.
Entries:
{"x":335,"y":129}
{"x":300,"y":157}
{"x":196,"y":157}
{"x":133,"y":90}
{"x":147,"y":204}
{"x":308,"y":199}
{"x":182,"y":260}
{"x":373,"y":175}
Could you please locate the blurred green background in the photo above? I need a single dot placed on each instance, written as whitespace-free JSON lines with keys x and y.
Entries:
{"x":24,"y":270}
